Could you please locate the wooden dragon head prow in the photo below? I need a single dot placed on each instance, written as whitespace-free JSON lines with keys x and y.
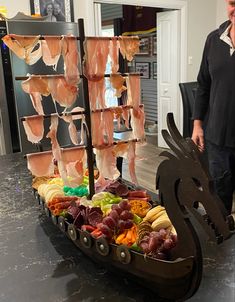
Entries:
{"x":183,"y":180}
{"x":187,"y":172}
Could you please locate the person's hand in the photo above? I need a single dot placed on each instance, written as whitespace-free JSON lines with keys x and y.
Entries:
{"x":198,"y":135}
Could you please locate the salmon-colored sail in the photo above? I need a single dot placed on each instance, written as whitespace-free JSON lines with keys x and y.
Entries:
{"x":72,"y":166}
{"x":41,"y":164}
{"x":34,"y":128}
{"x":137,"y":123}
{"x":129,"y":46}
{"x":97,"y":128}
{"x":36,"y":99}
{"x":36,"y":87}
{"x":107,"y":117}
{"x":133,"y":91}
{"x":106,"y":163}
{"x":73,"y":133}
{"x":54,"y":45}
{"x":27,"y":48}
{"x":62,"y":92}
{"x":127,"y":151}
{"x":71,"y":59}
{"x":96,"y":55}
{"x":117,"y":81}
{"x":52,"y":134}
{"x":51,"y":55}
{"x":114,"y":54}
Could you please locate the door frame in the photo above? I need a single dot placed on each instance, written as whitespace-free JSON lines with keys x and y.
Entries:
{"x":180,"y":5}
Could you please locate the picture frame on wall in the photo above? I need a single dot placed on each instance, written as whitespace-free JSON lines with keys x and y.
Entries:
{"x":154,"y":45}
{"x":143,"y":68}
{"x":53,"y":10}
{"x":144,"y":47}
{"x":154,"y":70}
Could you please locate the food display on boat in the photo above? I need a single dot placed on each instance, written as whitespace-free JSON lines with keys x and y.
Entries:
{"x":113,"y":217}
{"x":80,"y":187}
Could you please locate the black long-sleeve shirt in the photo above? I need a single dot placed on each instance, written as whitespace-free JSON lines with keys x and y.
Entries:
{"x":215,"y":98}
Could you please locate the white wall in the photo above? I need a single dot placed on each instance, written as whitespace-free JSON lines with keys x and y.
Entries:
{"x":201,"y":21}
{"x":221,"y":14}
{"x":15,"y":6}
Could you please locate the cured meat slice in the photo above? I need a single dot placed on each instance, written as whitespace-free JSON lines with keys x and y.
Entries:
{"x":54,"y":45}
{"x":96,"y":55}
{"x":97,"y":129}
{"x":36,"y":84}
{"x":72,"y":165}
{"x":36,"y":99}
{"x":127,"y":151}
{"x":83,"y":123}
{"x":117,"y":82}
{"x":133,"y":91}
{"x":129,"y":46}
{"x":106,"y":163}
{"x":97,"y":94}
{"x":34,"y":128}
{"x":73,"y":154}
{"x":114,"y":54}
{"x":36,"y":87}
{"x":41,"y":164}
{"x":52,"y":134}
{"x":62,"y":92}
{"x":101,"y":184}
{"x":14,"y":46}
{"x":73,"y":132}
{"x":131,"y":162}
{"x":72,"y":128}
{"x":71,"y":59}
{"x":107,"y":117}
{"x":50,"y":56}
{"x":27,"y":48}
{"x":126,"y":116}
{"x":137,"y":123}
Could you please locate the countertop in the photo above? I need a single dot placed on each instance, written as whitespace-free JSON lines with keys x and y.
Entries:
{"x":39,"y":263}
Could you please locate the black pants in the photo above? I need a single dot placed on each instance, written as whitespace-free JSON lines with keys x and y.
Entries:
{"x":221,"y":162}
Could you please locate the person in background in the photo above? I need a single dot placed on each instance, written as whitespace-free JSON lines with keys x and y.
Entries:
{"x":48,"y":11}
{"x":214,"y":109}
{"x":58,"y":12}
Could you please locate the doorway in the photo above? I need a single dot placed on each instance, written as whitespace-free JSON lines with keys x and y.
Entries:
{"x":179,"y":68}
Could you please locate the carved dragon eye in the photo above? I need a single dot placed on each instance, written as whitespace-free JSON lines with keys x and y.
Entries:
{"x":197,"y":183}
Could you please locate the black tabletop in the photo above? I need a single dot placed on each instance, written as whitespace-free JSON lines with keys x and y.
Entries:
{"x":38,"y":263}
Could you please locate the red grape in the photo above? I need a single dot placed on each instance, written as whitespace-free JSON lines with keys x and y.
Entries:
{"x":125,"y":215}
{"x":145,"y":247}
{"x":124,"y":205}
{"x":105,"y":230}
{"x":153,"y":244}
{"x":121,"y":225}
{"x":168,"y":244}
{"x":116,"y":208}
{"x":114,"y":214}
{"x":156,"y":235}
{"x":128,"y":224}
{"x":163,"y":233}
{"x":174,"y":238}
{"x":110,"y":222}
